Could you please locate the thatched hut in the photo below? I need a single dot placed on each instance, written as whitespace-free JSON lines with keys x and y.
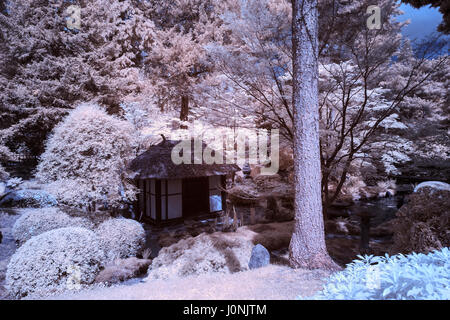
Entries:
{"x":169,"y":191}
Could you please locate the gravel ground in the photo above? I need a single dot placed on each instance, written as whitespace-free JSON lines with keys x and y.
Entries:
{"x":273,"y":282}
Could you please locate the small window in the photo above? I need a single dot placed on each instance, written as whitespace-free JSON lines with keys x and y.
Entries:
{"x":215,"y":202}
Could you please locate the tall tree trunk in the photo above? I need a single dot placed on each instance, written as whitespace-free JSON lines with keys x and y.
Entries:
{"x":184,"y":108}
{"x":307,"y":248}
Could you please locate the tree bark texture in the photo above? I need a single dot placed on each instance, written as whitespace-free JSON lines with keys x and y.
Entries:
{"x":307,"y":248}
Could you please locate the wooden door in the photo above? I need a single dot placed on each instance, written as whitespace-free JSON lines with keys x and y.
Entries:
{"x":195,"y":196}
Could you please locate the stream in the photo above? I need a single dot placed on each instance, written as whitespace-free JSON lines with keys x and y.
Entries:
{"x":382,"y":209}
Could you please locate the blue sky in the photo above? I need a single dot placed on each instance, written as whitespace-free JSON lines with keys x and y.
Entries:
{"x":423,"y":21}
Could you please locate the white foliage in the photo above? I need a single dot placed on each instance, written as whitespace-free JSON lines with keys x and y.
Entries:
{"x":121,"y":238}
{"x":14,"y":183}
{"x":85,"y":157}
{"x":56,"y":68}
{"x":33,"y":222}
{"x":411,"y":277}
{"x":46,"y":262}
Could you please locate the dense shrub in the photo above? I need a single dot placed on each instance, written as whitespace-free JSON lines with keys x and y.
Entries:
{"x":5,"y":154}
{"x":36,"y":221}
{"x":123,"y":269}
{"x":206,"y":253}
{"x":85,"y":156}
{"x":121,"y":238}
{"x":415,"y":276}
{"x":423,"y":223}
{"x":59,"y":259}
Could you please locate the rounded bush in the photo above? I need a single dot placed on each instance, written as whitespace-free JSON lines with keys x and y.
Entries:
{"x":422,"y":224}
{"x":84,"y":157}
{"x":53,"y":261}
{"x":206,"y":253}
{"x":37,"y":221}
{"x":121,"y":238}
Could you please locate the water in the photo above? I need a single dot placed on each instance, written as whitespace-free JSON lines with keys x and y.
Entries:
{"x":381,"y":209}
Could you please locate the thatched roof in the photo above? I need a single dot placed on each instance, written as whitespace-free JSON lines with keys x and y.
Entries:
{"x":157,"y":163}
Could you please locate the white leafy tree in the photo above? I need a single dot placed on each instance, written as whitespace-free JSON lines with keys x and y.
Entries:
{"x":85,"y":157}
{"x":361,"y":96}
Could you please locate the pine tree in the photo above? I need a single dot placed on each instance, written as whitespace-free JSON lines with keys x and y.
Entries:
{"x":53,"y":68}
{"x":178,"y":61}
{"x":307,"y":248}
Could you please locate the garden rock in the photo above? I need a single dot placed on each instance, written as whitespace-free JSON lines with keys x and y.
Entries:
{"x":28,"y":198}
{"x":260,"y":257}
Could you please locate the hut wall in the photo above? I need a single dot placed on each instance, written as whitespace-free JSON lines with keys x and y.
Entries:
{"x":141,"y":197}
{"x":170,"y":200}
{"x":152,"y":199}
{"x":147,"y":199}
{"x":174,"y":199}
{"x":163,"y":200}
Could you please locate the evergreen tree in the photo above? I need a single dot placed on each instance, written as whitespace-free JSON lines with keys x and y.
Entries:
{"x":53,"y":68}
{"x":307,"y":248}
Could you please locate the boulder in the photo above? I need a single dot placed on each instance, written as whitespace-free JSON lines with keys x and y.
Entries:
{"x":438,"y":185}
{"x":260,"y":257}
{"x":219,"y":252}
{"x":28,"y":198}
{"x":123,"y":269}
{"x":2,"y":189}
